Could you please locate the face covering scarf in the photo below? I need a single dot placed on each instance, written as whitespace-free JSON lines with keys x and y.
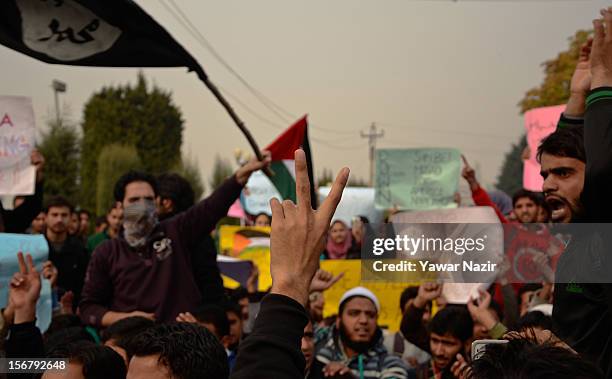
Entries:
{"x":139,"y":220}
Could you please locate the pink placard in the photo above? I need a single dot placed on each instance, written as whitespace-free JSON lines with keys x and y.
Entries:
{"x":539,"y":123}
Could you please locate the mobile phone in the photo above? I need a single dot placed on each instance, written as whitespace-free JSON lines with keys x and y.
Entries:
{"x":479,"y":346}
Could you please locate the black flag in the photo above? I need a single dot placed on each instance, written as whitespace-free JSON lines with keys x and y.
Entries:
{"x":110,"y":33}
{"x":114,"y":33}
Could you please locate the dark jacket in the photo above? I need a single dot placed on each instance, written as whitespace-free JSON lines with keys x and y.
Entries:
{"x":20,"y":218}
{"x":582,"y":312}
{"x":71,"y":263}
{"x":273,"y":349}
{"x":158,"y":277}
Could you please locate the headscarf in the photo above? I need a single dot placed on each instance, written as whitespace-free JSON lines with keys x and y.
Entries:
{"x":335,"y":250}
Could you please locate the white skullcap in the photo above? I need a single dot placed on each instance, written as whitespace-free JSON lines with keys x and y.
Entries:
{"x":363,"y":292}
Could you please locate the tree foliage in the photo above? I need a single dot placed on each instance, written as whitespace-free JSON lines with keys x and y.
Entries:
{"x":60,"y":147}
{"x":137,"y":115}
{"x":510,"y":179}
{"x":114,"y":160}
{"x":188,"y":168}
{"x":555,"y":88}
{"x":326,"y":178}
{"x":222,"y":169}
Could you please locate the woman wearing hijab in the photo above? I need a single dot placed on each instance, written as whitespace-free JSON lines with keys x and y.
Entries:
{"x":338,"y":241}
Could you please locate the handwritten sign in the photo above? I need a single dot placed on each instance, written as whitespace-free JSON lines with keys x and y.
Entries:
{"x":417,"y":179}
{"x":539,"y":123}
{"x":17,"y":131}
{"x":10,"y":245}
{"x":256,"y":195}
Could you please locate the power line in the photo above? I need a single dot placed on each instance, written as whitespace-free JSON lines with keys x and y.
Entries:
{"x":461,"y":132}
{"x":186,"y":23}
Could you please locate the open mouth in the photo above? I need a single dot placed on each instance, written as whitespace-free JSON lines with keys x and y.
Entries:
{"x":558,"y":207}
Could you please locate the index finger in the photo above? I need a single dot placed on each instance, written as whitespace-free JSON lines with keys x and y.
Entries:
{"x":21,"y":262}
{"x":302,"y":182}
{"x":335,"y":194}
{"x":465,"y":162}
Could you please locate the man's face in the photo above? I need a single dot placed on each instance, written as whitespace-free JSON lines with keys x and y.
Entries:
{"x":114,"y":218}
{"x":359,"y":319}
{"x":84,"y":223}
{"x":58,"y":219}
{"x":38,"y":224}
{"x":563,"y":184}
{"x":74,"y":225}
{"x":148,"y":367}
{"x":138,"y":191}
{"x":308,"y":345}
{"x":235,"y":329}
{"x":526,"y":210}
{"x":444,"y":349}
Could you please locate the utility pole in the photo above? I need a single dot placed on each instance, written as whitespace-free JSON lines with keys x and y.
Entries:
{"x":57,"y":88}
{"x":372,"y":136}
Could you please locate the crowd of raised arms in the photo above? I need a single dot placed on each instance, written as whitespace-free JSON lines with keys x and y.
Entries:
{"x":142,"y":296}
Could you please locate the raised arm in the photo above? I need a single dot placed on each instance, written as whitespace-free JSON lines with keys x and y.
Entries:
{"x":272,"y":350}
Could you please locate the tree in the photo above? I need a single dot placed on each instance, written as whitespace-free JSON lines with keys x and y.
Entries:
{"x":60,"y":147}
{"x":357,"y":182}
{"x":553,"y":90}
{"x":222,"y":169}
{"x":114,"y":161}
{"x":130,"y":115}
{"x":188,"y":169}
{"x":510,"y":179}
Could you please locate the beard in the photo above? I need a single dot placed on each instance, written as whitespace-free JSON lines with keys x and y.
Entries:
{"x":358,"y":346}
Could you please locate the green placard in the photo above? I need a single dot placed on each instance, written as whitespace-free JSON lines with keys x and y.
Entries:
{"x":417,"y":179}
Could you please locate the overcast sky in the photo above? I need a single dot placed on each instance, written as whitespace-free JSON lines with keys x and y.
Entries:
{"x":432,"y":73}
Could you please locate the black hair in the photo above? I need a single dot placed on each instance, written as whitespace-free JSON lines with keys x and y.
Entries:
{"x":262,"y":214}
{"x":188,"y":350}
{"x":526,"y":288}
{"x":84,"y":211}
{"x":534,"y":319}
{"x":99,"y":362}
{"x":566,"y":142}
{"x":61,"y":322}
{"x":101,"y":220}
{"x":58,"y":202}
{"x":126,"y":328}
{"x":176,"y":188}
{"x":233,"y":307}
{"x":407,"y":294}
{"x":525,"y":193}
{"x":526,"y":359}
{"x":131,"y":177}
{"x":56,"y":342}
{"x":454,"y":320}
{"x":238,"y":293}
{"x":215,"y":315}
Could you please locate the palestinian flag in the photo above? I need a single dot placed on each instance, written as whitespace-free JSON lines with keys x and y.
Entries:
{"x":282,"y":150}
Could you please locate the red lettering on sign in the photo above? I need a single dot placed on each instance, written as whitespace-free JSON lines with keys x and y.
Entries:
{"x":6,"y":120}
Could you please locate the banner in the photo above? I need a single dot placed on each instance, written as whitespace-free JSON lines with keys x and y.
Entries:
{"x":248,"y":243}
{"x":355,"y":201}
{"x":539,"y":123}
{"x":388,"y":294}
{"x":256,"y":195}
{"x":17,"y":133}
{"x":418,"y":179}
{"x":10,"y":245}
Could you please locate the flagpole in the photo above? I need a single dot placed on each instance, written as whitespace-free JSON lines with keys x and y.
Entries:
{"x":211,"y":86}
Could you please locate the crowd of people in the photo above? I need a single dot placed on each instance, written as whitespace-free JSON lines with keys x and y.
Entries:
{"x":142,"y":296}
